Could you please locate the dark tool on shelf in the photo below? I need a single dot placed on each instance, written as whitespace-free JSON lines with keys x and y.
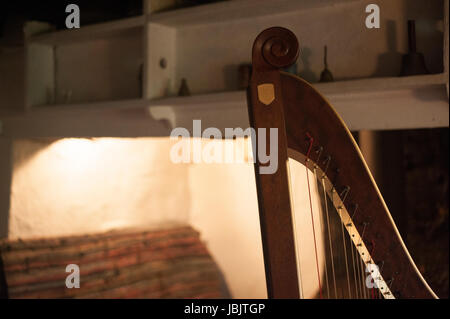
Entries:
{"x":326,"y":75}
{"x":413,"y":63}
{"x":184,"y":89}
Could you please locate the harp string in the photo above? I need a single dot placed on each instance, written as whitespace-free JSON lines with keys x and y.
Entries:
{"x":354,"y":271}
{"x":345,"y":254}
{"x":363,"y":278}
{"x":322,"y":231}
{"x":355,"y":256}
{"x":363,"y":268}
{"x":330,"y":241}
{"x":379,"y":290}
{"x":355,"y":274}
{"x":348,"y":223}
{"x":311,"y":140}
{"x":373,"y":279}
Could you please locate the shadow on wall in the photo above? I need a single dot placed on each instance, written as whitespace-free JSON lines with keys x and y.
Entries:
{"x":307,"y":73}
{"x":389,"y":63}
{"x":24,"y":155}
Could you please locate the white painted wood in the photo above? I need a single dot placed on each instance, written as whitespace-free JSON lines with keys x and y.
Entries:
{"x":396,"y":109}
{"x":40,"y":75}
{"x":161,"y":45}
{"x":219,"y":110}
{"x":78,"y":72}
{"x":412,"y":102}
{"x":406,"y":108}
{"x":381,"y":84}
{"x":111,"y":119}
{"x":107,"y":68}
{"x":93,"y":63}
{"x":88,"y":32}
{"x":237,"y":10}
{"x":208,"y":52}
{"x":205,"y":44}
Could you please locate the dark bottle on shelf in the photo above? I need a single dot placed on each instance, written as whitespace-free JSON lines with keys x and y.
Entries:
{"x":184,"y":89}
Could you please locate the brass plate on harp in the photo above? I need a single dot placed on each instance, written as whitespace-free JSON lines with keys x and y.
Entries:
{"x":266,"y":93}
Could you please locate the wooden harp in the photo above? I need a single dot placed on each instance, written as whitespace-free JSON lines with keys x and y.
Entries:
{"x":311,"y":132}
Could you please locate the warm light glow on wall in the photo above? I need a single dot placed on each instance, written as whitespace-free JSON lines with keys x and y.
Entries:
{"x":72,"y":186}
{"x":76,"y":149}
{"x":76,"y":185}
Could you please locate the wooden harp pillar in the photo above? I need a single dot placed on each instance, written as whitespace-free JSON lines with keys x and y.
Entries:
{"x":273,"y":49}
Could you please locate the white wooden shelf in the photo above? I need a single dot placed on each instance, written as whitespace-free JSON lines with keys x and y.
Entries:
{"x":382,"y":84}
{"x":88,"y":32}
{"x":129,"y":118}
{"x":98,"y":62}
{"x":365,"y":104}
{"x":378,"y":104}
{"x":119,"y":62}
{"x":228,"y":11}
{"x":206,"y":44}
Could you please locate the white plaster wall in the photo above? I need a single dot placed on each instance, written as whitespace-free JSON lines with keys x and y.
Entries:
{"x":224,"y":208}
{"x":76,"y":186}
